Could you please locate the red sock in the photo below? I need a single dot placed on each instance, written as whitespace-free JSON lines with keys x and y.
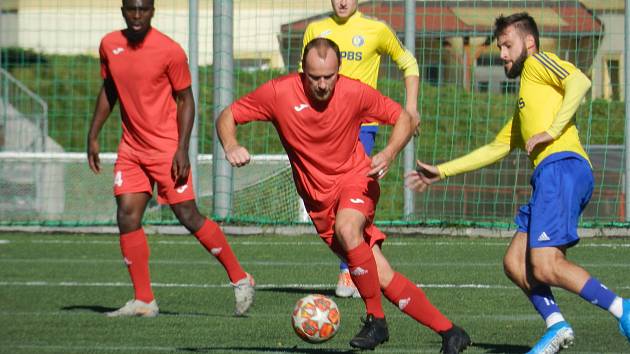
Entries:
{"x":213,"y":239}
{"x":411,"y":300}
{"x":135,"y":251}
{"x":365,"y":276}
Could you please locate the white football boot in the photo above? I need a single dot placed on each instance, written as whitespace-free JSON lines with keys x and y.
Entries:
{"x":244,"y":294}
{"x":136,"y":308}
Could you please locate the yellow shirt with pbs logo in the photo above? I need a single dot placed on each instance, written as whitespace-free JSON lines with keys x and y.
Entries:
{"x":362,"y":40}
{"x":542,"y":106}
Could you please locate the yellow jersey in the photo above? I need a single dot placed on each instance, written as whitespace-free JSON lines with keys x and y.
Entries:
{"x":362,"y":40}
{"x":544,"y":105}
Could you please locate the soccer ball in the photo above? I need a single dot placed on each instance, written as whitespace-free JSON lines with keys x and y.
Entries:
{"x":315,"y":318}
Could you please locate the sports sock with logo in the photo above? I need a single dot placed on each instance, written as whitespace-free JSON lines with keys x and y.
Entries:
{"x":365,"y":276}
{"x":135,"y":251}
{"x":213,"y":239}
{"x":598,"y":294}
{"x":411,"y":300}
{"x":544,"y":302}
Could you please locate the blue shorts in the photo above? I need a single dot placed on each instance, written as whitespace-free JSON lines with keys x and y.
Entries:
{"x":562,"y":187}
{"x":367,"y":137}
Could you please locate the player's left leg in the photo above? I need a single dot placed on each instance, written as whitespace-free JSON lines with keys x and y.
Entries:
{"x":550,"y":266}
{"x":214,"y":241}
{"x":181,"y":198}
{"x":411,"y":300}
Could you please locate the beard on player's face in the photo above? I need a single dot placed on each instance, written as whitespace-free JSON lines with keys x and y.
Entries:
{"x":517,"y":65}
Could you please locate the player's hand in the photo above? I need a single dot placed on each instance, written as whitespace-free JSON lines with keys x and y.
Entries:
{"x":92,"y":155}
{"x":180,"y":167}
{"x":237,"y":156}
{"x":423,"y":176}
{"x":380,"y":164}
{"x":540,"y":138}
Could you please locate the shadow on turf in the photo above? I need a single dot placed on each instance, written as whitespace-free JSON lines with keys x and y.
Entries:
{"x":103,"y":309}
{"x":264,"y":350}
{"x":289,"y":290}
{"x":501,"y":348}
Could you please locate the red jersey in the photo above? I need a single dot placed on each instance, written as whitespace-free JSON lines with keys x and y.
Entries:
{"x":146,"y":77}
{"x":322,"y":147}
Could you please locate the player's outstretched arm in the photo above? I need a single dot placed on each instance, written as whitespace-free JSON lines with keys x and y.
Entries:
{"x":180,"y":167}
{"x":236,"y":154}
{"x":105,"y":102}
{"x":403,"y":130}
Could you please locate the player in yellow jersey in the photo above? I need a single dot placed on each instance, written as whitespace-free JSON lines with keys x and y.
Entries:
{"x":362,"y":40}
{"x":550,"y":92}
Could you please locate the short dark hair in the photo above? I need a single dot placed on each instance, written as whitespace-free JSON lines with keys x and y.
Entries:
{"x":321,"y":43}
{"x":522,"y":21}
{"x":151,"y":1}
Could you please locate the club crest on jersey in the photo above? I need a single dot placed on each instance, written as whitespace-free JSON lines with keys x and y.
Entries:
{"x":521,"y":103}
{"x":358,"y":41}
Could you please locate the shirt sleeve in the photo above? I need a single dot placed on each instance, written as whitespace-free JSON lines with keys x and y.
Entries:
{"x":256,"y":105}
{"x":547,"y":69}
{"x":177,"y":69}
{"x":503,"y":143}
{"x":105,"y":74}
{"x":575,"y":87}
{"x":377,"y":107}
{"x":390,"y":44}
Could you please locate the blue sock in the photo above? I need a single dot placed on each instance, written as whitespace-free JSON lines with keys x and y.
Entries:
{"x":597,"y":294}
{"x":543,"y":301}
{"x":343,"y":266}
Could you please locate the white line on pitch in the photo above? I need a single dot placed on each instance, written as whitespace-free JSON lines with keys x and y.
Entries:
{"x":213,"y":286}
{"x":389,"y":242}
{"x":211,"y":262}
{"x":267,"y":243}
{"x":259,"y":286}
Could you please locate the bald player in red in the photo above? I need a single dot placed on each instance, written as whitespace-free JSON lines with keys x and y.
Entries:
{"x":318,"y":116}
{"x":148,"y":72}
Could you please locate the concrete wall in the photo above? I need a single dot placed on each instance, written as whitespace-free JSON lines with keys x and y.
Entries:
{"x":74,"y":27}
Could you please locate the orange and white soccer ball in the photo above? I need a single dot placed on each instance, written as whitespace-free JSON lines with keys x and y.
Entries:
{"x":316,"y":318}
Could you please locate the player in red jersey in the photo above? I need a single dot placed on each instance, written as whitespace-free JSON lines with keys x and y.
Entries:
{"x":149,"y":73}
{"x":318,"y":116}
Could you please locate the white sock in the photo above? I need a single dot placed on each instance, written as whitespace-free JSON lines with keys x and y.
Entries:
{"x":554,"y":318}
{"x":616,"y":308}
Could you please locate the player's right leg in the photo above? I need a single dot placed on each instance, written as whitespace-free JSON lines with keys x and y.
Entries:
{"x":516,"y":269}
{"x":558,"y":333}
{"x":349,"y":243}
{"x":345,"y":286}
{"x":135,"y":251}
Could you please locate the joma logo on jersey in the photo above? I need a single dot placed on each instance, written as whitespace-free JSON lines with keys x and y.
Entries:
{"x":351,"y":55}
{"x":521,"y":103}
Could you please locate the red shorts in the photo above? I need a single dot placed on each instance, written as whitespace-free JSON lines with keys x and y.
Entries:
{"x":360,"y":193}
{"x":135,"y":174}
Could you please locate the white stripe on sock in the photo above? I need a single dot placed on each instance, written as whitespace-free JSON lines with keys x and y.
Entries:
{"x":616,"y":308}
{"x":554,"y":318}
